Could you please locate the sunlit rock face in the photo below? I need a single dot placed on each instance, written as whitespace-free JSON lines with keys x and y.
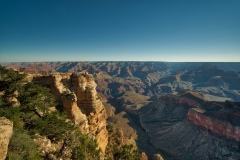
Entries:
{"x":47,"y":147}
{"x":73,"y":111}
{"x":77,"y":93}
{"x":84,"y":87}
{"x":6,"y":131}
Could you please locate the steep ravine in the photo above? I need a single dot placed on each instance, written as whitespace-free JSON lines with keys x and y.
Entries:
{"x":183,"y":126}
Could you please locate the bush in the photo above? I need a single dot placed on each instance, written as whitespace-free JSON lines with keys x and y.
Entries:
{"x":116,"y":149}
{"x":35,"y":97}
{"x":13,"y":114}
{"x":52,"y":125}
{"x":84,"y":148}
{"x":21,"y":146}
{"x":10,"y":80}
{"x":127,"y":152}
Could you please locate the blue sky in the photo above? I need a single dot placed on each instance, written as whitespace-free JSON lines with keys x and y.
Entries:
{"x":120,"y":30}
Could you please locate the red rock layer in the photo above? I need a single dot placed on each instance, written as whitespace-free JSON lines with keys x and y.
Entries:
{"x":218,"y":127}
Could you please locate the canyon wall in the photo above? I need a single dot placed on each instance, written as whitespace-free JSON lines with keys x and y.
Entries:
{"x":216,"y":126}
{"x":188,"y":127}
{"x":76,"y":92}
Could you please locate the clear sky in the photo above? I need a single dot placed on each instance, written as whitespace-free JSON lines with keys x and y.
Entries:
{"x":120,"y":30}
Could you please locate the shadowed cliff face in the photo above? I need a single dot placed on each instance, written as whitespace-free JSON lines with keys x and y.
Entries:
{"x":184,"y":127}
{"x":77,"y":93}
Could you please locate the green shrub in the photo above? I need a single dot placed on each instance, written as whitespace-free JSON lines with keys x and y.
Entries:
{"x":127,"y":152}
{"x":10,"y":80}
{"x":52,"y":125}
{"x":21,"y":146}
{"x":35,"y":97}
{"x":84,"y":148}
{"x":116,"y":149}
{"x":13,"y":114}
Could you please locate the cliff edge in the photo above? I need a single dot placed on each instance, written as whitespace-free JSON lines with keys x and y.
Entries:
{"x":76,"y":92}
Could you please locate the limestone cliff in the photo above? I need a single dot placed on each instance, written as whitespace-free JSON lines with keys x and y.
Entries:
{"x":77,"y":94}
{"x":6,"y":130}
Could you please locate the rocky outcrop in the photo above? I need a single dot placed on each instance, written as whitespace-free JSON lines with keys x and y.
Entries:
{"x":84,"y":87}
{"x":74,"y":113}
{"x":157,"y":157}
{"x":6,"y":131}
{"x":47,"y":147}
{"x":77,"y":94}
{"x":144,"y":156}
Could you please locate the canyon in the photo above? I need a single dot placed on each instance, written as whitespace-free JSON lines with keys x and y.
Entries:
{"x":183,"y":127}
{"x":177,"y":110}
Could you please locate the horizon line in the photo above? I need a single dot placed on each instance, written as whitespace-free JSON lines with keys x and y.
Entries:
{"x":88,"y":61}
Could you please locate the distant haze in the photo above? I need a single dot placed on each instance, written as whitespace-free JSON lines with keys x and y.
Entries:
{"x":117,"y":30}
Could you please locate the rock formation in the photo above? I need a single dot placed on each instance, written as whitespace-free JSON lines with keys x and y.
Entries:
{"x":77,"y":93}
{"x":73,"y":111}
{"x":157,"y":157}
{"x":144,"y":156}
{"x":6,"y":130}
{"x":46,"y":146}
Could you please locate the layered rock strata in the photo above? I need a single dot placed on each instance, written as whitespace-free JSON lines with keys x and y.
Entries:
{"x":184,"y":127}
{"x":77,"y":93}
{"x":221,"y":128}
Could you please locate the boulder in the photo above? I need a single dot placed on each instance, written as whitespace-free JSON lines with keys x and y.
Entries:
{"x":6,"y":130}
{"x":157,"y":157}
